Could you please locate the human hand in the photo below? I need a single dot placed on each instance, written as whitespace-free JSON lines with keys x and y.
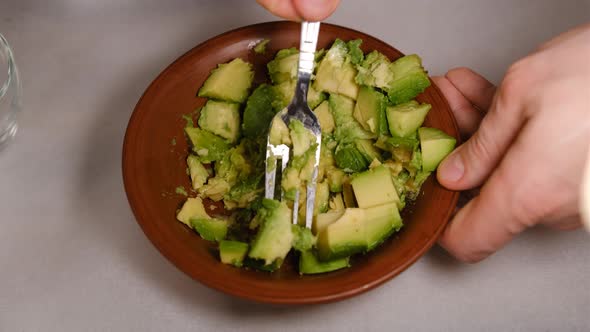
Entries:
{"x":527,"y":146}
{"x":298,"y":10}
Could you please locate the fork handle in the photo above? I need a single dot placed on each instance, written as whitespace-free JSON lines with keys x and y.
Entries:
{"x":309,"y":41}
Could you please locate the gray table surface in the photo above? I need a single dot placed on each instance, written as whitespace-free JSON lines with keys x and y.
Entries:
{"x":72,"y":257}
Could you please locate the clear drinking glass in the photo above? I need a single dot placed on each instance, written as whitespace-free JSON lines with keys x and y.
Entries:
{"x":10,"y":93}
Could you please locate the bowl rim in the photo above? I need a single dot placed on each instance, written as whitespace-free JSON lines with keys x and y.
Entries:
{"x":219,"y":286}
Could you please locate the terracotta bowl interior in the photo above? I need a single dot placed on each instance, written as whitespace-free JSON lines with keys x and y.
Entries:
{"x":154,"y":156}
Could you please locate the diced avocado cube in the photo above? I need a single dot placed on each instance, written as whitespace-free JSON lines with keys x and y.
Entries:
{"x":409,"y":79}
{"x":319,"y":55}
{"x":307,"y":168}
{"x":328,"y":70}
{"x":344,"y":237}
{"x":374,"y":187}
{"x":301,"y":137}
{"x":338,"y":51}
{"x":244,"y":192}
{"x":347,"y":128}
{"x":335,"y":178}
{"x":348,"y":86}
{"x":222,"y":119}
{"x":435,"y":145}
{"x":197,"y":171}
{"x":233,"y":166}
{"x":406,"y":64}
{"x":405,"y":119}
{"x":408,"y":87}
{"x":381,"y":221}
{"x":415,"y":164}
{"x":325,"y":117}
{"x":314,"y":97}
{"x":375,"y":71}
{"x":357,"y":230}
{"x":326,"y":163}
{"x":336,"y":203}
{"x":309,"y":264}
{"x":229,"y":82}
{"x":322,"y":220}
{"x":368,"y":150}
{"x":322,"y":197}
{"x":215,"y":189}
{"x":192,"y":208}
{"x":279,"y":132}
{"x":284,"y":66}
{"x":349,"y":158}
{"x":233,"y":252}
{"x":328,"y":79}
{"x":303,"y":239}
{"x":259,"y":111}
{"x":409,"y":143}
{"x":336,"y":73}
{"x":274,"y":238}
{"x":355,"y":53}
{"x":302,"y":161}
{"x":369,"y":110}
{"x":290,"y":182}
{"x":286,"y":90}
{"x":260,"y":48}
{"x":208,"y":146}
{"x":210,"y":229}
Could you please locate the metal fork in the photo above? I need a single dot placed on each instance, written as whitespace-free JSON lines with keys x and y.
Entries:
{"x":298,"y":109}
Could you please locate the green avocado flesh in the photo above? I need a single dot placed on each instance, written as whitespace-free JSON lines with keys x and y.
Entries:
{"x":374,"y":155}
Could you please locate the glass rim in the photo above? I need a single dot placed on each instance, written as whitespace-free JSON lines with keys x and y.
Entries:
{"x":5,"y":48}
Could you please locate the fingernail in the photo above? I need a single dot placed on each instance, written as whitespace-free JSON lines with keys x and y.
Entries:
{"x":452,"y":168}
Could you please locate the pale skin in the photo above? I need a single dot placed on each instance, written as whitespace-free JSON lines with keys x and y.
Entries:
{"x":301,"y":10}
{"x":527,"y":140}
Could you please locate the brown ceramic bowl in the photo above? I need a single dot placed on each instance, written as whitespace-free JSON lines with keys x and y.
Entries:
{"x":153,"y":166}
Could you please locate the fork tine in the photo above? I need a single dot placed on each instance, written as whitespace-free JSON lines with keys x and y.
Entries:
{"x":271,"y":173}
{"x":284,"y":162}
{"x":296,"y":208}
{"x":272,"y":154}
{"x":312,"y":186}
{"x":310,"y":202}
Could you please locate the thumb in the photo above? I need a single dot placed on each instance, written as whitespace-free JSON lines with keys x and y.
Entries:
{"x":472,"y":162}
{"x":315,"y":10}
{"x":485,"y":224}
